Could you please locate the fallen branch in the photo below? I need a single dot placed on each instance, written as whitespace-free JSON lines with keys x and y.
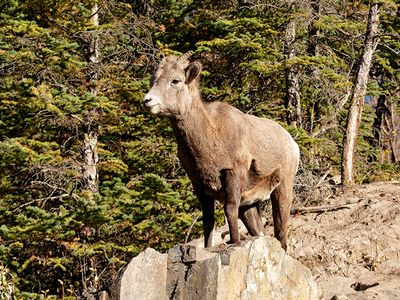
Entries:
{"x":317,"y":209}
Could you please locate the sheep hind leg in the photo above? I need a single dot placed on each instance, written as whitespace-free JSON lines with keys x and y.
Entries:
{"x":251,"y":219}
{"x":281,"y":199}
{"x":261,"y":224}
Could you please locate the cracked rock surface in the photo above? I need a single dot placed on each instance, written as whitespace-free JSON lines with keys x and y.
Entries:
{"x":254,"y":269}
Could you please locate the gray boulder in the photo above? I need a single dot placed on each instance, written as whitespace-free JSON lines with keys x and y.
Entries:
{"x":255,"y":269}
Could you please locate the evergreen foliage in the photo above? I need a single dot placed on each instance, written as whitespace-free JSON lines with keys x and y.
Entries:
{"x":58,"y":239}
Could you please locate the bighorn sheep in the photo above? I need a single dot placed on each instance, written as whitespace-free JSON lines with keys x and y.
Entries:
{"x":236,"y":158}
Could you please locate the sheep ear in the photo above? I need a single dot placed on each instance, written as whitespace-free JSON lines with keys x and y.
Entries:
{"x":192,"y":71}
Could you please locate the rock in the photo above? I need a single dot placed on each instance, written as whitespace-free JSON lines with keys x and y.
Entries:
{"x":272,"y":274}
{"x":143,"y":278}
{"x":191,"y":273}
{"x":339,"y":297}
{"x":255,"y":269}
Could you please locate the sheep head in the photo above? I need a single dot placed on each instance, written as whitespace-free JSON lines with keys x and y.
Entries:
{"x":173,"y":85}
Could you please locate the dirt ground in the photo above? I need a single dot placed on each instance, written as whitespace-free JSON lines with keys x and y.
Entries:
{"x":351,"y":243}
{"x":353,"y":251}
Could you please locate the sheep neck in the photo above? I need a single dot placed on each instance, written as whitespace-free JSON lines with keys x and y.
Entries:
{"x":193,"y":129}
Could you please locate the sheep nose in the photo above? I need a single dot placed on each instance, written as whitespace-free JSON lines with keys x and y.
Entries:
{"x":146,"y":100}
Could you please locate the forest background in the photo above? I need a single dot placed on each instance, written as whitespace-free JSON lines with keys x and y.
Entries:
{"x":89,"y":178}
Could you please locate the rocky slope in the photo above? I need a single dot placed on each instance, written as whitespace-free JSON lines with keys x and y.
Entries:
{"x":354,"y":250}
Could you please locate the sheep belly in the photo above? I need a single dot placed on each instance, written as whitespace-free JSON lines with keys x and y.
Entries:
{"x":259,"y":192}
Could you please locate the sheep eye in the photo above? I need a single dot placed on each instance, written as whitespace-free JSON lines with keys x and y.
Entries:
{"x":175,"y":81}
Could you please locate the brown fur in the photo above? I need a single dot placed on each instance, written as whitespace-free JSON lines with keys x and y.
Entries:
{"x":230,"y":156}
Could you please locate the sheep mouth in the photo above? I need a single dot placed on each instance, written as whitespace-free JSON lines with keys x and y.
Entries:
{"x":155,"y":109}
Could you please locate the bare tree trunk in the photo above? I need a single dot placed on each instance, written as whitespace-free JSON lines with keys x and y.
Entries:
{"x":358,"y":96}
{"x":386,"y":128}
{"x":293,"y":101}
{"x":313,"y":50}
{"x":394,"y":136}
{"x":90,"y":153}
{"x":93,"y":57}
{"x":91,"y":158}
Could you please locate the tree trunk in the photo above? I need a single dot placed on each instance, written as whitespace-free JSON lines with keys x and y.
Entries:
{"x":91,"y":158}
{"x":93,"y":57}
{"x":313,"y":31}
{"x":293,"y":101}
{"x":313,"y":50}
{"x":386,"y":128}
{"x":358,"y":96}
{"x":90,"y":153}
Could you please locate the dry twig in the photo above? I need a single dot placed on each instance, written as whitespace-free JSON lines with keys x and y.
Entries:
{"x":318,"y":209}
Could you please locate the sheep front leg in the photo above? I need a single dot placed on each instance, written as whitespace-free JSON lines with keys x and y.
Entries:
{"x":208,"y":208}
{"x":231,"y":207}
